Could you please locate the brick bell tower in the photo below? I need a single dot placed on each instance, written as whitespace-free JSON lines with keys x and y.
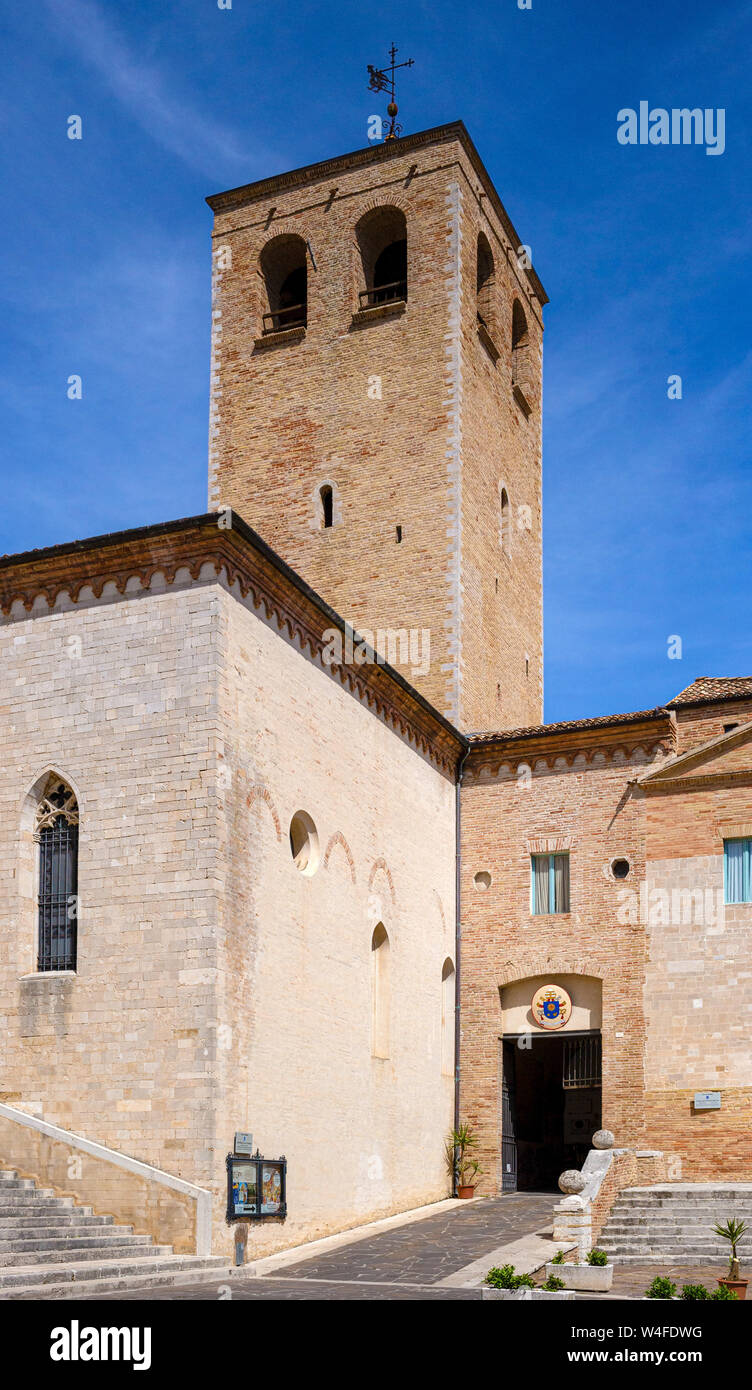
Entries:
{"x":376,"y":408}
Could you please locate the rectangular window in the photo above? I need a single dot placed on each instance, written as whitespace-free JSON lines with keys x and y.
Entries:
{"x":550,"y":883}
{"x":737,"y":874}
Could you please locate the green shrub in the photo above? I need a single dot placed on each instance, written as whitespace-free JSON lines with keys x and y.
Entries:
{"x":661,"y":1288}
{"x":597,"y":1257}
{"x":558,"y":1258}
{"x":552,"y":1284}
{"x":722,"y":1294}
{"x":697,"y":1291}
{"x":505,"y":1278}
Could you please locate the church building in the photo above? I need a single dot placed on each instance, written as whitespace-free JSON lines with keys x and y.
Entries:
{"x":288,"y":851}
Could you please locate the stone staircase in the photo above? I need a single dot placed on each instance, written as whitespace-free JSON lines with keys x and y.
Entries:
{"x":49,"y":1248}
{"x":673,"y":1223}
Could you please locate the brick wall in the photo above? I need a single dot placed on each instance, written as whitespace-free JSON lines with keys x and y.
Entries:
{"x":672,"y":960}
{"x":426,"y":449}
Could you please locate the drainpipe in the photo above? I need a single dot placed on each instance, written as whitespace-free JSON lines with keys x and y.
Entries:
{"x":457,"y":937}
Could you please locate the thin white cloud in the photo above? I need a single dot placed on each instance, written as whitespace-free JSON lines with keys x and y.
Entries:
{"x":148,"y":94}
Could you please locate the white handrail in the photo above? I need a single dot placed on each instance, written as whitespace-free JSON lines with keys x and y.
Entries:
{"x":201,"y":1195}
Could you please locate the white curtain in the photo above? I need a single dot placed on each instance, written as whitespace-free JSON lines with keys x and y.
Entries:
{"x":541,"y":895}
{"x":735,"y":853}
{"x":561,"y":883}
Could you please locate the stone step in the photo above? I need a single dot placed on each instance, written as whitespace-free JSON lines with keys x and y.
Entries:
{"x":77,"y":1216}
{"x":72,"y":1281}
{"x":31,"y":1200}
{"x":687,"y":1203}
{"x":84,"y":1240}
{"x":13,"y":1233}
{"x":692,"y":1189}
{"x":56,"y":1252}
{"x":15,"y":1184}
{"x":675,"y":1257}
{"x":664,"y":1222}
{"x":697,"y":1251}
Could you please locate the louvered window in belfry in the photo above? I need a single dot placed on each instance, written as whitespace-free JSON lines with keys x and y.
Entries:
{"x":57,"y":837}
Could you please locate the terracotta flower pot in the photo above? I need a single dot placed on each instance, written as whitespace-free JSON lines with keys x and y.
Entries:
{"x":464,"y":1191}
{"x":737,"y":1286}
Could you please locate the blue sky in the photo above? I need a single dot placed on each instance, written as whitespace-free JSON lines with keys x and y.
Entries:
{"x":644,"y":251}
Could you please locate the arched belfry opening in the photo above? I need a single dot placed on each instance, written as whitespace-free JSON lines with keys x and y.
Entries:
{"x":381,"y":235}
{"x":485,"y":283}
{"x":284,"y":270}
{"x":551,"y":1078}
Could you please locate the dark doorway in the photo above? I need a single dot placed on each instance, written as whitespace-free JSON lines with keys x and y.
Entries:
{"x":551,"y":1106}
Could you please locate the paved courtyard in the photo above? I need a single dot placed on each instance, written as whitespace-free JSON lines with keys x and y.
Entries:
{"x":424,"y":1259}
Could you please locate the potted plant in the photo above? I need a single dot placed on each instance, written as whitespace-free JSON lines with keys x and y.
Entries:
{"x":733,"y":1231}
{"x":503,"y":1283}
{"x":463,"y":1169}
{"x":595,"y":1275}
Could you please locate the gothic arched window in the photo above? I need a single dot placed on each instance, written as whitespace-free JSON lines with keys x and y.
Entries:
{"x":56,"y":833}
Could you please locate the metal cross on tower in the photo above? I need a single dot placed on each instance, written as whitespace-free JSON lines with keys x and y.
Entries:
{"x":382,"y":80}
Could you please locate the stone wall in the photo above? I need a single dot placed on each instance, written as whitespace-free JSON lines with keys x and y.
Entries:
{"x":217,"y":987}
{"x":363,"y":1135}
{"x":120,"y":697}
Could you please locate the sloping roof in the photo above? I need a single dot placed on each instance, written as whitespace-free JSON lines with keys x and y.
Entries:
{"x":600,"y":722}
{"x":708,"y":689}
{"x":225,"y":541}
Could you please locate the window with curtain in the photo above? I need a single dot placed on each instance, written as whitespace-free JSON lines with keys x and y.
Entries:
{"x":737,"y":871}
{"x":550,"y":883}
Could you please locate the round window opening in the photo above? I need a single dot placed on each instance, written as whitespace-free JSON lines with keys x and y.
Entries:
{"x":620,"y":868}
{"x":482,"y":880}
{"x":304,"y":843}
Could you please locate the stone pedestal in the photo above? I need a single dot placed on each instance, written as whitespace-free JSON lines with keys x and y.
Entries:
{"x":572,"y":1222}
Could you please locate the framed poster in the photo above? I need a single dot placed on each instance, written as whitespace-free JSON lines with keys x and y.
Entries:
{"x":256,"y":1187}
{"x":243,"y":1187}
{"x":271,"y":1189}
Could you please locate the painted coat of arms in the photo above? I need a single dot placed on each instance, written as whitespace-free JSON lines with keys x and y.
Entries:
{"x":551,"y":1006}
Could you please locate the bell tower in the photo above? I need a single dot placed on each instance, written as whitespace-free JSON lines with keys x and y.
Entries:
{"x":375,"y":409}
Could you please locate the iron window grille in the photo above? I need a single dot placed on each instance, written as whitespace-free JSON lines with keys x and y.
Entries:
{"x":57,"y":899}
{"x":581,"y":1067}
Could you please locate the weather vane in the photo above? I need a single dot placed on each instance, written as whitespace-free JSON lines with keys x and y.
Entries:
{"x":382,"y":80}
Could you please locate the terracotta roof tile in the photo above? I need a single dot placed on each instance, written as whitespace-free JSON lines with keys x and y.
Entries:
{"x":708,"y":689}
{"x":602,"y":721}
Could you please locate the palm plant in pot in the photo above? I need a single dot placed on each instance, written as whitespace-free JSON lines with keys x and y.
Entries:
{"x":463,"y":1169}
{"x":733,"y":1231}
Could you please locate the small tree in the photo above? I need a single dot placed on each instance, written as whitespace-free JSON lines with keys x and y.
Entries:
{"x":461,"y":1166}
{"x":732,"y":1232}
